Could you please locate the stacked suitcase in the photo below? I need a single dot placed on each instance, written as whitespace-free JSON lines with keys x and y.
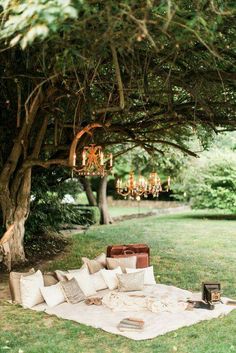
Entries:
{"x":141,"y":251}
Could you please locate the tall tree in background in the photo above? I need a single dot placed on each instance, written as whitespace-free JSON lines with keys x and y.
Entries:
{"x":155,"y":72}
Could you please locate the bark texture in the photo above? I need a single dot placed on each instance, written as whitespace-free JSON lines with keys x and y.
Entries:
{"x":88,"y":190}
{"x":105,"y":217}
{"x":15,"y":184}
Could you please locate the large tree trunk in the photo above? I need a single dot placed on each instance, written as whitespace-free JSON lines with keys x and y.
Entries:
{"x":15,"y":183}
{"x":15,"y":207}
{"x":105,"y":217}
{"x":88,"y":190}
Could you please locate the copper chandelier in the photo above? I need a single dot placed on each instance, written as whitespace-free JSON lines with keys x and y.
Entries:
{"x":135,"y":189}
{"x":94,"y":162}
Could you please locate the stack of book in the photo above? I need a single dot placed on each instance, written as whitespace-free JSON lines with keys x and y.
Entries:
{"x":131,"y":324}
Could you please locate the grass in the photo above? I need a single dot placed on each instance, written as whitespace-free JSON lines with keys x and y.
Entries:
{"x":116,"y":211}
{"x":185,"y":250}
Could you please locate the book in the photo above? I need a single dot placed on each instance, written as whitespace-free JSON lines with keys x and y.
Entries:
{"x":231,"y":302}
{"x":131,"y":324}
{"x":128,"y":322}
{"x":123,"y":329}
{"x":135,"y":319}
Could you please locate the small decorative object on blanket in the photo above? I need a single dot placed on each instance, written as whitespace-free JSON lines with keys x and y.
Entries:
{"x":93,"y":301}
{"x":131,"y":324}
{"x":211,"y":295}
{"x":199,"y":304}
{"x":211,"y":292}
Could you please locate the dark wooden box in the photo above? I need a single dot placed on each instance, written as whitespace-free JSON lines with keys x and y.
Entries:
{"x":211,"y":292}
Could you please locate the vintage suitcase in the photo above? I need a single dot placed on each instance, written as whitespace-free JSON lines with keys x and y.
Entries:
{"x":141,"y":251}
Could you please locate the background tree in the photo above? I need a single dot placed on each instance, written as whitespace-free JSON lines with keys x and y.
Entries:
{"x":210,"y":181}
{"x":156,"y":73}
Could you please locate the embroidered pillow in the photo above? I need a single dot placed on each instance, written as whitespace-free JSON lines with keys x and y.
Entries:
{"x":72,"y":291}
{"x":131,"y":281}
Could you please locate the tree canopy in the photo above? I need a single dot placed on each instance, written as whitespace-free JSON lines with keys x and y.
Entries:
{"x":153,"y":73}
{"x":158,"y":72}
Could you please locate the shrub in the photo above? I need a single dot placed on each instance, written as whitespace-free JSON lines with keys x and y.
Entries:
{"x":50,"y":215}
{"x":210,"y":182}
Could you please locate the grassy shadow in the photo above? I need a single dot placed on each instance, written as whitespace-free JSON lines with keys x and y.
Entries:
{"x":215,"y":217}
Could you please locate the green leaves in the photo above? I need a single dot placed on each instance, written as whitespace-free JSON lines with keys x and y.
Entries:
{"x":210,"y":182}
{"x":35,"y":19}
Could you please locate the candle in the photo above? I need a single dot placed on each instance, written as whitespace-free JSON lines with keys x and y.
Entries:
{"x":83,"y":158}
{"x":118,"y":183}
{"x":111,"y":159}
{"x":74,"y":160}
{"x":168,"y":182}
{"x":101,"y":158}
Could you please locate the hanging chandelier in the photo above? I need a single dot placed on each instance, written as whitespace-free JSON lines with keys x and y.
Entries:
{"x":94,"y":162}
{"x":142,"y":187}
{"x":132,"y":188}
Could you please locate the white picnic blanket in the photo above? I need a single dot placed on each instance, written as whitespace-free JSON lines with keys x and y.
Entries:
{"x":162,"y":308}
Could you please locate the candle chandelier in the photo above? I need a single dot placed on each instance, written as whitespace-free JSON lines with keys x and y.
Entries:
{"x":94,"y":162}
{"x":142,"y":187}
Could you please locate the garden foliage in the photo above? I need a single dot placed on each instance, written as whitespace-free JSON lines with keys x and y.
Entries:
{"x":210,"y":182}
{"x":48,"y":211}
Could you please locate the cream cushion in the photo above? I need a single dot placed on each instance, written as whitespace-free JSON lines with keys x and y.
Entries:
{"x":98,"y":281}
{"x":14,"y":284}
{"x":149,"y":278}
{"x":131,"y":281}
{"x":84,"y":281}
{"x":53,"y":295}
{"x":123,"y":262}
{"x":30,"y":289}
{"x":61,"y":275}
{"x":110,"y":277}
{"x":49,"y":279}
{"x":96,"y":264}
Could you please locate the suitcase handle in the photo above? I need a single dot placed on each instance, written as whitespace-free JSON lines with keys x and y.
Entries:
{"x":128,"y":252}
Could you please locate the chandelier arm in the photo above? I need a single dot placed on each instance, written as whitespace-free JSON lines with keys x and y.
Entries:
{"x":78,"y":136}
{"x":123,"y":193}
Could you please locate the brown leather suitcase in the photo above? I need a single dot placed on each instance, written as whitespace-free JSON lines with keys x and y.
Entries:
{"x":141,"y":251}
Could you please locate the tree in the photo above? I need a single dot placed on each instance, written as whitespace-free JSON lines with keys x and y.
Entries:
{"x":210,"y":181}
{"x":154,"y":74}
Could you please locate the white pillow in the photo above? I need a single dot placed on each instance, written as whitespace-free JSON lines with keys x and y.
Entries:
{"x":98,"y":281}
{"x":110,"y":277}
{"x":30,"y":289}
{"x":61,"y":275}
{"x":148,"y":274}
{"x":84,"y":281}
{"x":53,"y":295}
{"x":123,"y":262}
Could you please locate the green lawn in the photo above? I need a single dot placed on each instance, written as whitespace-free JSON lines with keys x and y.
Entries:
{"x":116,"y":211}
{"x":185,"y":250}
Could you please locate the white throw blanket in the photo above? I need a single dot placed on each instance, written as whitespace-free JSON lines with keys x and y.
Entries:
{"x":162,"y":311}
{"x":139,"y":302}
